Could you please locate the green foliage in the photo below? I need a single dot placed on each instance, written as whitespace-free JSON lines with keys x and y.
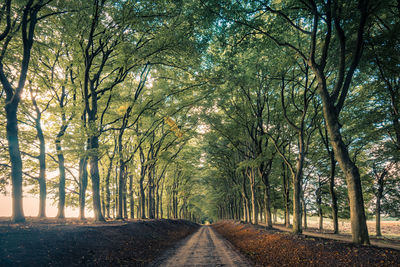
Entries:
{"x":196,"y":86}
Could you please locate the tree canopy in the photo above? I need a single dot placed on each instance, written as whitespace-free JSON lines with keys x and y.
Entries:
{"x":203,"y":110}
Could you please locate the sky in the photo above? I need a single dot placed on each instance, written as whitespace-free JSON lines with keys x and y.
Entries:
{"x":31,"y":208}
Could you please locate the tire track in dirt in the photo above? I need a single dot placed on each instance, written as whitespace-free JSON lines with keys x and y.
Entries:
{"x":203,"y":248}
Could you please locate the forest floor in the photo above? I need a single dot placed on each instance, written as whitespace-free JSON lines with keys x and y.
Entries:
{"x":280,"y":248}
{"x":70,"y":242}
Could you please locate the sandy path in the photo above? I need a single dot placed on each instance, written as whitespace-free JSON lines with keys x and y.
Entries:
{"x":203,"y":248}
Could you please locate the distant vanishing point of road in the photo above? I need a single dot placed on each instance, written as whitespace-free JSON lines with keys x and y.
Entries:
{"x":203,"y":248}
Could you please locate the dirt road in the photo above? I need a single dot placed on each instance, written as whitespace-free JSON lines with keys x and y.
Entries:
{"x":203,"y":248}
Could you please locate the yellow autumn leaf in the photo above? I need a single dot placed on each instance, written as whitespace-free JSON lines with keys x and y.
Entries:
{"x":122,"y":109}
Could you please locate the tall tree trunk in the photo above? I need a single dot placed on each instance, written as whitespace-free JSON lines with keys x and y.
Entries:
{"x":161,"y":198}
{"x":176,"y":205}
{"x":95,"y":176}
{"x":42,"y":155}
{"x":172,"y":205}
{"x":297,"y":188}
{"x":321,"y":218}
{"x":121,"y":184}
{"x":28,"y":25}
{"x":138,"y":208}
{"x":61,"y":184}
{"x":143,"y":199}
{"x":42,"y":172}
{"x":115,"y":196}
{"x":318,"y":194}
{"x":150,"y":194}
{"x":304,"y":209}
{"x":157,"y":202}
{"x":83,"y":180}
{"x":251,"y":175}
{"x":296,"y":205}
{"x":267,"y":201}
{"x":379,"y":195}
{"x":169,"y":206}
{"x":245,"y":200}
{"x":333,"y":194}
{"x":286,"y":194}
{"x":121,"y":177}
{"x":131,"y":199}
{"x":244,"y":209}
{"x":378,"y":216}
{"x":16,"y":162}
{"x":125,"y":211}
{"x":350,"y":170}
{"x":107,"y":188}
{"x":103,"y":201}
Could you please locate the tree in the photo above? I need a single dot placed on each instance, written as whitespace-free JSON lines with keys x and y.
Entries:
{"x":325,"y":139}
{"x":316,"y":54}
{"x":26,"y":25}
{"x":304,"y":130}
{"x":37,"y":122}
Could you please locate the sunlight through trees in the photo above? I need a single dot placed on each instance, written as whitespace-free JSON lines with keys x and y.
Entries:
{"x":203,"y":110}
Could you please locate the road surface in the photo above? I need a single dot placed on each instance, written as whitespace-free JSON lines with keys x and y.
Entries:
{"x":203,"y":248}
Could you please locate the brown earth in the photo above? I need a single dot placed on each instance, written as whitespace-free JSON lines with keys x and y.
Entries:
{"x":277,"y":248}
{"x":382,"y":241}
{"x":70,"y":242}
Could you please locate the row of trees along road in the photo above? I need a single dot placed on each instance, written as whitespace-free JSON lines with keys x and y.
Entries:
{"x":306,"y":115}
{"x":203,"y":109}
{"x":99,"y":102}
